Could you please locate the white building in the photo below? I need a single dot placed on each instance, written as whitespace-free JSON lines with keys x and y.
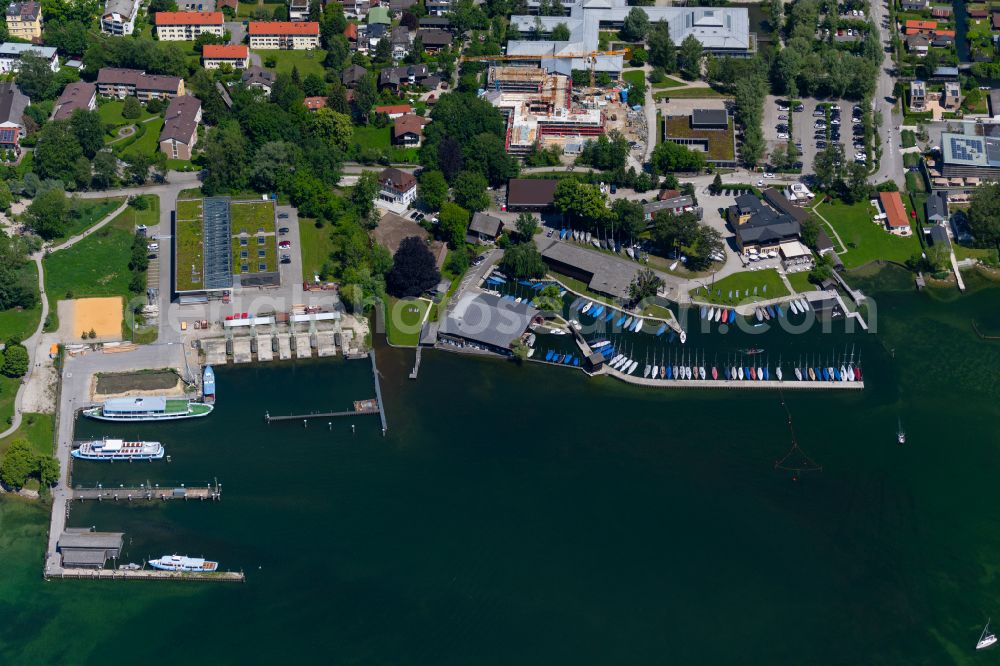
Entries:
{"x":11,"y":53}
{"x":119,"y":17}
{"x":187,"y":26}
{"x":295,"y":35}
{"x":214,"y":56}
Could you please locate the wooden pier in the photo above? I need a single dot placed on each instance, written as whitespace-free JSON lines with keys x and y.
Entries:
{"x":738,"y":384}
{"x":325,"y":415}
{"x":148,"y":492}
{"x":146,"y":574}
{"x":378,"y":392}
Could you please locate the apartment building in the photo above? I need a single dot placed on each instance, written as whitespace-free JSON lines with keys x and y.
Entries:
{"x":293,"y":35}
{"x":116,"y":82}
{"x":24,"y":20}
{"x":186,"y":26}
{"x":214,"y":56}
{"x":119,"y":17}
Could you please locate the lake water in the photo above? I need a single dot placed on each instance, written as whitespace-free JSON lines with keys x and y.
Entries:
{"x":529,"y":514}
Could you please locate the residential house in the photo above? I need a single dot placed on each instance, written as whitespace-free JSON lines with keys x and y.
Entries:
{"x":394,"y":110}
{"x":952,"y":97}
{"x":978,"y":13}
{"x":397,"y":77}
{"x":945,"y":73}
{"x":943,"y":38}
{"x":895,"y":221}
{"x":941,"y":12}
{"x":12,"y":105}
{"x":298,"y":36}
{"x":119,"y":17}
{"x":400,"y":6}
{"x":434,"y":40}
{"x":995,"y":21}
{"x":397,"y":187}
{"x":530,"y":194}
{"x":408,"y":130}
{"x":259,"y":78}
{"x":936,"y":208}
{"x":314,"y":104}
{"x":298,"y":10}
{"x":77,"y":95}
{"x":233,"y":5}
{"x":438,"y":22}
{"x":115,"y":82}
{"x":400,"y":39}
{"x":11,"y":54}
{"x":369,"y":36}
{"x":918,"y":96}
{"x":356,"y":8}
{"x":351,"y":35}
{"x":915,"y":5}
{"x":352,"y":75}
{"x":676,"y":205}
{"x":437,"y":7}
{"x":24,"y":20}
{"x":180,"y":127}
{"x":214,"y":56}
{"x":484,"y":229}
{"x":917,"y":44}
{"x":187,"y":26}
{"x":920,"y":27}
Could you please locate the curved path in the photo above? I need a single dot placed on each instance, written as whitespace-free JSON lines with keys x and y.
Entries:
{"x":169,"y":191}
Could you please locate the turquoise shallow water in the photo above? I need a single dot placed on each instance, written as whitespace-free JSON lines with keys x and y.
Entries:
{"x":531,"y":515}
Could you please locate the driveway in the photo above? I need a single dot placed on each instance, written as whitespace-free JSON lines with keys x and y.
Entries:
{"x":237,"y":30}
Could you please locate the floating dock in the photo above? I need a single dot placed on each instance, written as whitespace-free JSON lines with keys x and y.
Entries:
{"x":744,"y":384}
{"x":148,"y":493}
{"x":146,"y":574}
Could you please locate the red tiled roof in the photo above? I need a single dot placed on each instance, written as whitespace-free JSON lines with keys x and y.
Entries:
{"x":894,"y":210}
{"x":944,"y":33}
{"x":313,"y":103}
{"x":283,"y":28}
{"x":189,"y":18}
{"x":225,"y":51}
{"x":921,"y":25}
{"x":408,"y":124}
{"x":394,"y":108}
{"x":351,"y":31}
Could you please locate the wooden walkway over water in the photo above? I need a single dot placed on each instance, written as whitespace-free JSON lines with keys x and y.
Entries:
{"x":746,"y":384}
{"x":146,"y":574}
{"x":148,"y":492}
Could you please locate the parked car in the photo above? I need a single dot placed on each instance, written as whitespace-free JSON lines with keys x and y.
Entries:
{"x":782,"y":116}
{"x":282,"y":216}
{"x":799,"y":108}
{"x":284,"y":245}
{"x":821,"y":144}
{"x":768,"y":174}
{"x":782,"y":135}
{"x":286,"y":258}
{"x":283,"y":230}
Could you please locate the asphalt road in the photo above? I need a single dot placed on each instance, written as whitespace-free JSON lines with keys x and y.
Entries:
{"x":891,"y":165}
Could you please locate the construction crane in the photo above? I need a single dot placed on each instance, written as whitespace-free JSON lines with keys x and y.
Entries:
{"x":590,"y":57}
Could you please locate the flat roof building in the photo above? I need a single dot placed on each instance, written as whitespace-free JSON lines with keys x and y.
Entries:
{"x":11,"y":54}
{"x":530,"y":193}
{"x":486,"y":321}
{"x":970,"y":155}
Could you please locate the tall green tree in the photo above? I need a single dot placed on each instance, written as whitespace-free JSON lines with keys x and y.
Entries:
{"x":453,"y":222}
{"x":56,"y":151}
{"x":413,"y":270}
{"x":88,"y":130}
{"x":470,"y":192}
{"x":527,"y":226}
{"x":984,"y":215}
{"x":662,"y":50}
{"x":689,"y":57}
{"x":523,"y":261}
{"x":432,"y":189}
{"x":644,"y":285}
{"x":225,"y":157}
{"x":636,"y":25}
{"x":48,"y":213}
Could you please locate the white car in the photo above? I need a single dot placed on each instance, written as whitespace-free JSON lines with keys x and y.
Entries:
{"x":760,"y":183}
{"x":782,"y":135}
{"x":153,"y":247}
{"x":768,"y":174}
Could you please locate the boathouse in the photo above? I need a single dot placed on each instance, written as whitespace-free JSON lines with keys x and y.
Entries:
{"x":88,"y":549}
{"x":487,"y":322}
{"x":603,"y":273}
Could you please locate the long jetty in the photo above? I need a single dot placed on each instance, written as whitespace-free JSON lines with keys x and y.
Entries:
{"x":147,"y":574}
{"x":320,"y":415}
{"x":378,"y":392}
{"x":148,"y":492}
{"x":792,"y":384}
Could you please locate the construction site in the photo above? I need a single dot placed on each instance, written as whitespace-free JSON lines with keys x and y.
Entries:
{"x":543,"y":110}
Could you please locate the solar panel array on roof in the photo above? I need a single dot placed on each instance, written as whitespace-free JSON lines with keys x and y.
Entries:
{"x":966,"y":148}
{"x":218,"y":243}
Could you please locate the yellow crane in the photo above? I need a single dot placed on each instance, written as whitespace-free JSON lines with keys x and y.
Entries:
{"x":590,"y":57}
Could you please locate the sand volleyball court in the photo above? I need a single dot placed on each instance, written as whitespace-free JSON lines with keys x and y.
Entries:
{"x":101,"y":315}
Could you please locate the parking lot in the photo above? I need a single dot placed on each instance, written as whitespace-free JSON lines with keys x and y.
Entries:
{"x":804,"y":130}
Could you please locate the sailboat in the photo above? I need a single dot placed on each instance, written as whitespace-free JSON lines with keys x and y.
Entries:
{"x":655,"y":368}
{"x":987,"y":638}
{"x":901,"y":439}
{"x":645,"y":371}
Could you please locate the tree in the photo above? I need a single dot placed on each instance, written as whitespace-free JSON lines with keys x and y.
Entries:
{"x":753,"y":146}
{"x":689,"y":57}
{"x":137,"y":168}
{"x":581,"y":202}
{"x":560,"y":33}
{"x":383,"y":51}
{"x":36,"y":79}
{"x":470,"y":191}
{"x":716,"y":187}
{"x":225,"y":158}
{"x":636,"y":25}
{"x":776,"y":14}
{"x":131,"y":109}
{"x":56,"y":151}
{"x":453,"y":221}
{"x":15,"y":361}
{"x":332,"y":127}
{"x":48,"y":470}
{"x":669,"y":156}
{"x":707,"y":242}
{"x":363,"y":194}
{"x":630,"y":216}
{"x":607,"y":153}
{"x":856,"y":187}
{"x":548,"y":299}
{"x":984,"y":215}
{"x":662,"y":50}
{"x":274,"y":166}
{"x":89,"y":131}
{"x":523,"y":261}
{"x":18,"y":464}
{"x":432,"y":189}
{"x":47,"y":213}
{"x":365,"y":97}
{"x":672,"y":231}
{"x":827,"y":165}
{"x":413,"y":271}
{"x":487,"y":154}
{"x":644,"y":285}
{"x":527,"y":226}
{"x":69,"y":37}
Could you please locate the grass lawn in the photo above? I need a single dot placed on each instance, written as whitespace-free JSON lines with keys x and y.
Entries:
{"x":88,"y":213}
{"x":256,"y":249}
{"x":767,"y":283}
{"x":985,"y":253}
{"x":668,"y":82}
{"x":866,"y":241}
{"x":634,"y":76}
{"x":148,"y":143}
{"x":96,"y":266}
{"x":111,"y":114}
{"x":914,"y":182}
{"x":403,"y":318}
{"x":246,"y":9}
{"x":688,"y":93}
{"x":37,"y":429}
{"x":909,"y":138}
{"x":251,"y":217}
{"x":369,"y":137}
{"x":800,"y":282}
{"x":188,"y":235}
{"x":8,"y":391}
{"x":307,"y":62}
{"x":315,"y":246}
